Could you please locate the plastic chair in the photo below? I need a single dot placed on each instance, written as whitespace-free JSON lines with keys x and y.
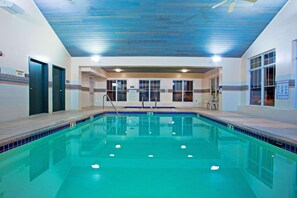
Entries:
{"x":213,"y":102}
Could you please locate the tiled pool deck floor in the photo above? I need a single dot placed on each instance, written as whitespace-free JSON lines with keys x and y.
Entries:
{"x":12,"y":130}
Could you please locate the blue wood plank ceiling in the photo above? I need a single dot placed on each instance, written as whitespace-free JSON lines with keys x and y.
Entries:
{"x":157,"y":27}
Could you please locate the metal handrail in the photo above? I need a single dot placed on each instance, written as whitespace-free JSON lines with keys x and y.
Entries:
{"x":142,"y":102}
{"x":110,"y":102}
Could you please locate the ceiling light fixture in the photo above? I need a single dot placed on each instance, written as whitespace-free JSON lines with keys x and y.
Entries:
{"x":11,"y":7}
{"x":118,"y":70}
{"x":184,"y":70}
{"x":95,"y":58}
{"x":216,"y":59}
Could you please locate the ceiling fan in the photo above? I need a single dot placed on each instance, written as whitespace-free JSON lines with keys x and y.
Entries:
{"x":232,"y":4}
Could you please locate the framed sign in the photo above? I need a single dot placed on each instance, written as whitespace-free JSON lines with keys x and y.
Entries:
{"x":282,"y":89}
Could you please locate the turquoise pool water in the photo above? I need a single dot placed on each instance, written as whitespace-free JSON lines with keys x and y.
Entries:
{"x":138,"y":155}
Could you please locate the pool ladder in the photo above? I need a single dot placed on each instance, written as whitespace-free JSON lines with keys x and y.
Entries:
{"x":111,"y":103}
{"x":143,"y":102}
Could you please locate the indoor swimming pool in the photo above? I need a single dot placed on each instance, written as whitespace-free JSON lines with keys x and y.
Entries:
{"x":148,"y":155}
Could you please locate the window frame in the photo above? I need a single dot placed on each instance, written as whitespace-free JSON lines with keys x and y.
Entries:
{"x":182,"y":91}
{"x":265,"y":64}
{"x":150,"y":91}
{"x":116,"y":91}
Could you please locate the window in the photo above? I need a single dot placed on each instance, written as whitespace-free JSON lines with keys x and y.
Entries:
{"x":155,"y":90}
{"x":177,"y":91}
{"x":182,"y":91}
{"x":255,"y":83}
{"x":111,"y":89}
{"x":149,"y":90}
{"x":121,"y":90}
{"x":117,"y":90}
{"x":262,"y":79}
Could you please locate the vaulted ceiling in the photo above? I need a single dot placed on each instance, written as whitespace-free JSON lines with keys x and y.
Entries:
{"x":157,"y":27}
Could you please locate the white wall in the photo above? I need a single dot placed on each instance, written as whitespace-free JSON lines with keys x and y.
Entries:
{"x":27,"y":35}
{"x":278,"y":35}
{"x":85,"y":95}
{"x":21,"y":37}
{"x":231,"y":68}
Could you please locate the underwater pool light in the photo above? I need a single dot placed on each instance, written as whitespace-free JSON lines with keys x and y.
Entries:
{"x":214,"y":168}
{"x":95,"y":166}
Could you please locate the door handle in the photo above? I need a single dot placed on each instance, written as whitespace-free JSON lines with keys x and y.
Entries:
{"x":61,"y":90}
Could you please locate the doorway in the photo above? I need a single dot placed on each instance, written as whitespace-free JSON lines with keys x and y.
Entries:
{"x":295,"y":62}
{"x":58,"y":89}
{"x":214,"y":87}
{"x":38,"y":87}
{"x":92,"y":83}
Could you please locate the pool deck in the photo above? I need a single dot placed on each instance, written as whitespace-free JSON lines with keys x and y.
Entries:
{"x":12,"y":130}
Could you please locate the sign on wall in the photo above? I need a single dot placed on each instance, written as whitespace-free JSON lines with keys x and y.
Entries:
{"x":132,"y":89}
{"x":19,"y":73}
{"x":282,"y":89}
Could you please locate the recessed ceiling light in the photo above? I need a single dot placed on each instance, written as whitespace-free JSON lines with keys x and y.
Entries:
{"x":190,"y":156}
{"x":95,"y":58}
{"x":183,"y":147}
{"x":111,"y":155}
{"x":184,"y":70}
{"x":118,"y":146}
{"x":150,"y":156}
{"x":118,"y":70}
{"x":216,"y":58}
